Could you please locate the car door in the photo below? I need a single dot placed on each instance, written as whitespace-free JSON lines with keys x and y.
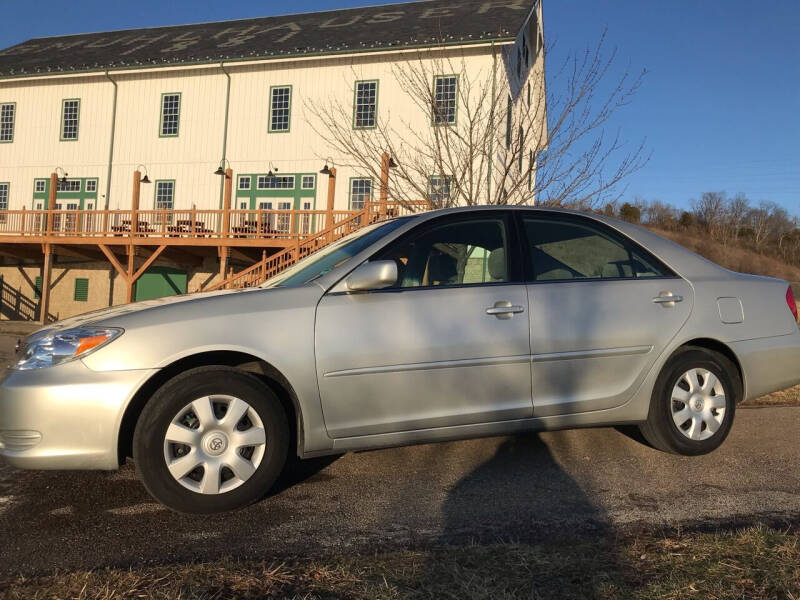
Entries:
{"x":447,"y":345}
{"x":602,"y":310}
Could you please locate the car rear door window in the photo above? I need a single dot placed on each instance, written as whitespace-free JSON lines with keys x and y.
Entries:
{"x":562,"y":249}
{"x":468,"y":252}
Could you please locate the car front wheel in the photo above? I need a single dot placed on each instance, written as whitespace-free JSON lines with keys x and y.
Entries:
{"x":211,"y":439}
{"x":693,"y":402}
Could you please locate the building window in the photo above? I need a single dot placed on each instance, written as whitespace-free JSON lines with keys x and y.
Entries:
{"x":282,"y":182}
{"x":521,"y":146}
{"x":70,"y":114}
{"x":244,"y":182}
{"x":165,"y":195}
{"x":308,"y":182}
{"x":91,"y":185}
{"x":360,"y":192}
{"x":40,"y":185}
{"x":170,"y":115}
{"x":445,"y":94}
{"x":280,"y":108}
{"x":366,"y":105}
{"x":4,"y":187}
{"x":81,"y":289}
{"x":439,"y":189}
{"x":37,"y":287}
{"x":70,"y":185}
{"x":7,"y":113}
{"x":284,"y":220}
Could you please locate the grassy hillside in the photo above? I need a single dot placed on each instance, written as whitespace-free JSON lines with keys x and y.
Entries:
{"x":736,"y":258}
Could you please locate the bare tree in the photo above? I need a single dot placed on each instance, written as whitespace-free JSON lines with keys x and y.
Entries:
{"x":510,"y":143}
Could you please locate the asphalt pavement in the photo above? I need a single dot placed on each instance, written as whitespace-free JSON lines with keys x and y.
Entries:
{"x":530,"y":488}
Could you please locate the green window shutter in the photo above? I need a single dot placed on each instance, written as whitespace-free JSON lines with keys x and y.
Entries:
{"x":37,"y":287}
{"x":81,"y":289}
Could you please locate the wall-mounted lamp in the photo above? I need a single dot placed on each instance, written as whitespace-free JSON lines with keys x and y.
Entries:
{"x":145,"y":178}
{"x":63,"y":178}
{"x":221,"y":168}
{"x":326,"y":170}
{"x":272,"y":170}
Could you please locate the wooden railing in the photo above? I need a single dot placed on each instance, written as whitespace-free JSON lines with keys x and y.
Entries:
{"x":193,"y":223}
{"x":275,"y":264}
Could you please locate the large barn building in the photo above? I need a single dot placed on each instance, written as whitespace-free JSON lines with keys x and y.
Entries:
{"x":139,"y":163}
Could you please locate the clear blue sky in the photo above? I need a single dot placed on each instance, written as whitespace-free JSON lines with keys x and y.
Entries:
{"x":720,"y":106}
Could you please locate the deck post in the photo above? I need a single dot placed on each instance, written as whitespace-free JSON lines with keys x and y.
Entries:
{"x":384,"y":192}
{"x":129,"y":280}
{"x":226,"y":225}
{"x":51,"y":203}
{"x":47,"y":269}
{"x":331,"y":200}
{"x":223,"y":262}
{"x":137,"y":178}
{"x":22,"y":225}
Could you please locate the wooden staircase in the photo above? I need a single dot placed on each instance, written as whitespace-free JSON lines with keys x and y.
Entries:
{"x":270,"y":266}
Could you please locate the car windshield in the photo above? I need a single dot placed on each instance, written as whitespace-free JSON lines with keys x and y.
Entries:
{"x":333,"y":255}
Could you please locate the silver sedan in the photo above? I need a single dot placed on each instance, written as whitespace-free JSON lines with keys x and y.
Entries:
{"x":446,"y":325}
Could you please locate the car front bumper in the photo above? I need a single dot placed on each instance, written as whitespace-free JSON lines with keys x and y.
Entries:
{"x":64,"y":417}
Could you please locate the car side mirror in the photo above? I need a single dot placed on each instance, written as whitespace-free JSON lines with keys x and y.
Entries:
{"x":374,"y":275}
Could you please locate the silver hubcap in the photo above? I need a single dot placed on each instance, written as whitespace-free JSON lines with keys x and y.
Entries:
{"x":214,"y":444}
{"x":698,"y":404}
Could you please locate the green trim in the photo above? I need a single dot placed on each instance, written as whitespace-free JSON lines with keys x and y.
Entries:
{"x":377,"y":83}
{"x":261,"y":58}
{"x":295,"y":195}
{"x":81,"y":292}
{"x":77,"y":121}
{"x":80,"y":196}
{"x":269,"y":117}
{"x":350,"y":190}
{"x":161,"y":133}
{"x":13,"y":122}
{"x":8,"y":194}
{"x":433,"y":113}
{"x":155,"y":192}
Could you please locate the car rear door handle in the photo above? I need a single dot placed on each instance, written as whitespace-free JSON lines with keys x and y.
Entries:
{"x":667,"y":299}
{"x":503,"y":309}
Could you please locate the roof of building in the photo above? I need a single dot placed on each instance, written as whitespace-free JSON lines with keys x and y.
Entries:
{"x":385,"y":27}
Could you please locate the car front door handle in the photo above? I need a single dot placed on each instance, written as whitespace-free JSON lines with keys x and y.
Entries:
{"x":504,"y":309}
{"x":667,"y":299}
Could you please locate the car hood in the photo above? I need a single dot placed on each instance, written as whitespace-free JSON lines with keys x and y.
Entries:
{"x":108,"y":314}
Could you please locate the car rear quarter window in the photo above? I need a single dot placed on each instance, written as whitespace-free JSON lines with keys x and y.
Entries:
{"x":562,"y":249}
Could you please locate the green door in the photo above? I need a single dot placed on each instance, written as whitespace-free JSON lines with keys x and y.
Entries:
{"x":161,"y":281}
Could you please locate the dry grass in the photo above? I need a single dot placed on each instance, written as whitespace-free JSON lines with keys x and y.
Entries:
{"x":735,"y":258}
{"x":758,"y":562}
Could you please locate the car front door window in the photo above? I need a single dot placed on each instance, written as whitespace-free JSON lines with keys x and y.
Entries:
{"x":469,"y":252}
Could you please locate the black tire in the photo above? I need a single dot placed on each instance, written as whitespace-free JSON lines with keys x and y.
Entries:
{"x":164,"y":406}
{"x":660,"y":428}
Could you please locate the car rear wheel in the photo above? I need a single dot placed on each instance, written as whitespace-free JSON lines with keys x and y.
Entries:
{"x":211,"y":439}
{"x":693,"y":403}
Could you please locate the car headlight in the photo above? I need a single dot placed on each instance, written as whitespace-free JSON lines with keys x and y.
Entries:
{"x":63,"y":346}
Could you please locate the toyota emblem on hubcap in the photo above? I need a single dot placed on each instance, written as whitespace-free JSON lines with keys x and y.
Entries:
{"x":215,"y":444}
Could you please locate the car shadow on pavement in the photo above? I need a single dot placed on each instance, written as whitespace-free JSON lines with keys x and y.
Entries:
{"x":522,"y":504}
